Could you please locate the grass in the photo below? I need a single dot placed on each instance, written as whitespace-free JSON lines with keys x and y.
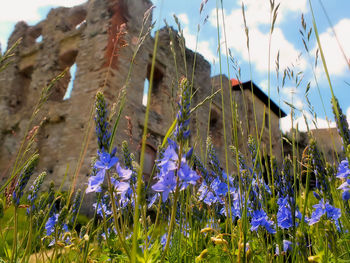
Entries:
{"x":193,"y":210}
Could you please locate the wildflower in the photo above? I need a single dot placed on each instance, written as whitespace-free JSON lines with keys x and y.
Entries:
{"x":50,"y":224}
{"x":259,"y":218}
{"x":343,"y":173}
{"x":106,"y":161}
{"x":102,"y":124}
{"x":24,"y":178}
{"x":287,"y":246}
{"x":343,"y":170}
{"x":219,"y":188}
{"x":165,"y":185}
{"x":324,"y":208}
{"x":187,"y":175}
{"x":102,"y":209}
{"x":34,"y":188}
{"x":210,"y":199}
{"x":169,"y":160}
{"x":284,"y":214}
{"x":346,"y":189}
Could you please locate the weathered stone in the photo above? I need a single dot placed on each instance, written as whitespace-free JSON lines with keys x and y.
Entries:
{"x":91,"y":36}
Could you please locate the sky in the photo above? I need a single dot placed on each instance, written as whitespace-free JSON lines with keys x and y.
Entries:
{"x":286,"y":40}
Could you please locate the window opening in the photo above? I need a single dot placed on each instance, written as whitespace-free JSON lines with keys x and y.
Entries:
{"x":72,"y":71}
{"x":157,"y":80}
{"x":80,"y":24}
{"x":39,"y":39}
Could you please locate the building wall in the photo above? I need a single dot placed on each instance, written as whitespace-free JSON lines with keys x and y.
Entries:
{"x":87,"y":35}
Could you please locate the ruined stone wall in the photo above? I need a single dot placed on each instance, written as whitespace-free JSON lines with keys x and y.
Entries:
{"x":89,"y":36}
{"x":86,"y":35}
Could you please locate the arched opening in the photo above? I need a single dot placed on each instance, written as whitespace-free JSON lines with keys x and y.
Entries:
{"x":156,"y":87}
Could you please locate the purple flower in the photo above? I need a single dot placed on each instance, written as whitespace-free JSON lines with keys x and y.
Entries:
{"x":169,"y":160}
{"x":102,"y":209}
{"x":96,"y":181}
{"x":324,"y":208}
{"x":343,"y":170}
{"x":346,"y":190}
{"x":210,"y":198}
{"x":220,"y":188}
{"x":284,"y":214}
{"x":106,"y":161}
{"x":165,"y":185}
{"x":287,"y":246}
{"x":50,"y":224}
{"x":343,"y":173}
{"x":187,"y":175}
{"x":124,"y":174}
{"x":259,"y":218}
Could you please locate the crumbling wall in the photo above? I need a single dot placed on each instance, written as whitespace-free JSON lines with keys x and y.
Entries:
{"x":100,"y":38}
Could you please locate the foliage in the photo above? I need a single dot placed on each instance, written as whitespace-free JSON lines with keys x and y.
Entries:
{"x":192,"y":210}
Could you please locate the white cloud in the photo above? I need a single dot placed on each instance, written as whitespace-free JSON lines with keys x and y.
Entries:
{"x":258,"y":12}
{"x":319,"y":123}
{"x":257,"y":15}
{"x":203,"y":47}
{"x":28,"y":11}
{"x":336,"y":63}
{"x":183,"y":18}
{"x":292,"y":96}
{"x":17,"y":10}
{"x":348,"y":115}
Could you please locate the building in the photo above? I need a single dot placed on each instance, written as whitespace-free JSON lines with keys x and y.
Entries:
{"x":91,"y":39}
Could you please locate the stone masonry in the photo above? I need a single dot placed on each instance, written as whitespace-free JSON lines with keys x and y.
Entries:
{"x":89,"y":36}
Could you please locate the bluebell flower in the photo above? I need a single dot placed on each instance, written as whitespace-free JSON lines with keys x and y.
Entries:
{"x":324,"y":208}
{"x":259,"y":218}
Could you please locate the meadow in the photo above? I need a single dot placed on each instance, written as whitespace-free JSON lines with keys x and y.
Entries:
{"x":192,"y":209}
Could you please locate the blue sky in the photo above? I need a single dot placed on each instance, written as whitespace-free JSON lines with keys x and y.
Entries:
{"x":286,"y":39}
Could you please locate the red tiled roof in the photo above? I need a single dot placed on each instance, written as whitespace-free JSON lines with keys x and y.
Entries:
{"x":235,"y":82}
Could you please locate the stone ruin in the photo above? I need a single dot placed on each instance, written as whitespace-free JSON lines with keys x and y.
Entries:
{"x":88,"y":37}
